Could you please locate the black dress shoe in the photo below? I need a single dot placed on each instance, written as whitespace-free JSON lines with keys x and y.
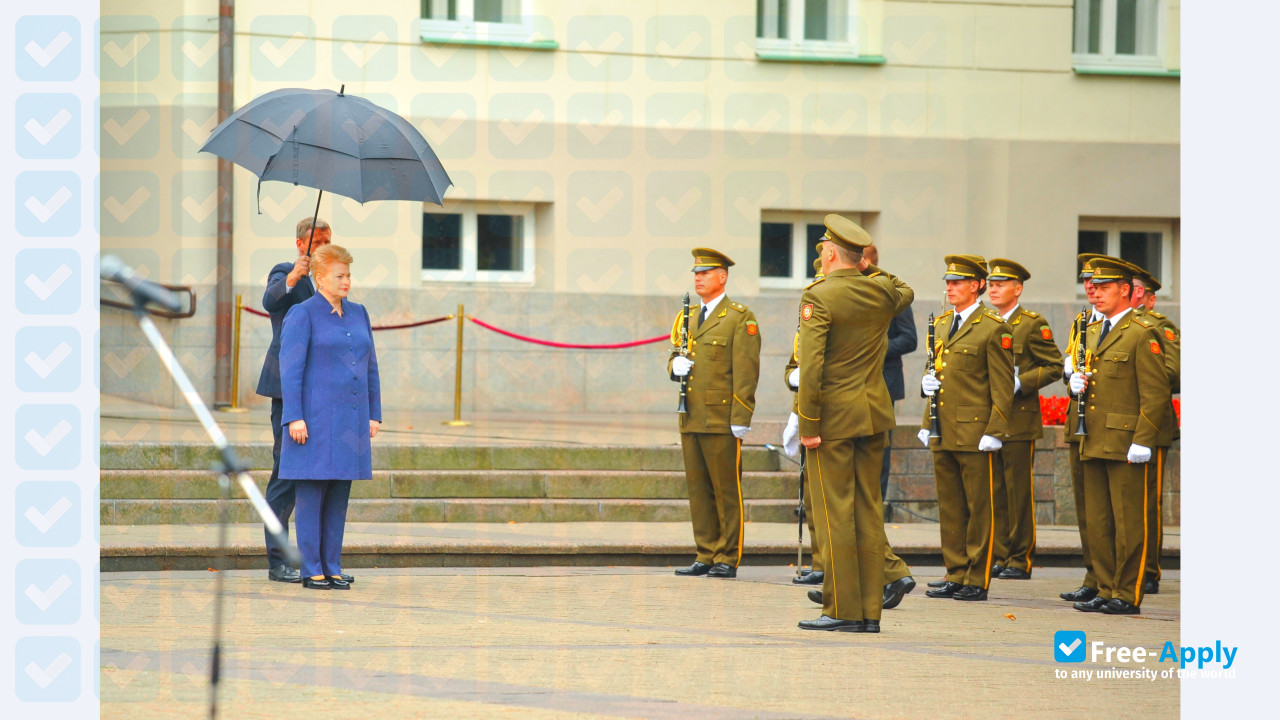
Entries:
{"x":813,"y":578}
{"x":350,"y":579}
{"x":815,"y":595}
{"x":947,"y":590}
{"x":722,"y":570}
{"x":1081,"y":594}
{"x":938,"y":583}
{"x":697,"y":568}
{"x":870,"y":626}
{"x":1094,"y":604}
{"x":804,"y":571}
{"x":316,"y":584}
{"x":896,"y":590}
{"x":832,"y":624}
{"x":971,"y":593}
{"x":1013,"y":573}
{"x":997,"y":569}
{"x":337,"y":583}
{"x":284,"y":574}
{"x":1150,"y":586}
{"x":1119,"y":607}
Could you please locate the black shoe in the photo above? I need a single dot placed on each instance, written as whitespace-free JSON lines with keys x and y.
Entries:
{"x":1119,"y":607}
{"x":1013,"y":573}
{"x":697,"y":568}
{"x":832,"y":624}
{"x":971,"y":593}
{"x":350,"y":579}
{"x":938,"y":583}
{"x":997,"y":569}
{"x":813,"y":578}
{"x":722,"y":570}
{"x":284,"y":574}
{"x":815,"y":595}
{"x":1150,"y":586}
{"x":896,"y":590}
{"x":316,"y":584}
{"x":338,"y":583}
{"x":947,"y":590}
{"x":1081,"y":594}
{"x":1093,"y":605}
{"x":804,"y":571}
{"x":870,"y":626}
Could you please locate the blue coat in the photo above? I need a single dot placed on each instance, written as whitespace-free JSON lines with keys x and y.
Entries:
{"x":329,"y":378}
{"x":277,"y":301}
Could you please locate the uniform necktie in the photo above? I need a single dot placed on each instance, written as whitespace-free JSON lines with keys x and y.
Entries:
{"x":1106,"y":328}
{"x":703,"y":316}
{"x":954,"y":327}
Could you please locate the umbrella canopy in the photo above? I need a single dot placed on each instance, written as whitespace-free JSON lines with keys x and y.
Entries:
{"x":331,"y":141}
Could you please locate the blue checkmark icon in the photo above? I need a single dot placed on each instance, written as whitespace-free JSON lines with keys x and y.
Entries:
{"x":1068,"y":646}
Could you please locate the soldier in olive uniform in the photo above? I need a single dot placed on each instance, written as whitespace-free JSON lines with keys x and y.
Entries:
{"x":722,"y":361}
{"x":1088,"y":589}
{"x":845,"y":414}
{"x":1038,"y":363}
{"x":974,"y":382}
{"x":1127,"y":398}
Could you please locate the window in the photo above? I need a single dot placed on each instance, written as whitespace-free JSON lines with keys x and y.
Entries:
{"x":478,"y":243}
{"x":811,"y":27}
{"x":1147,"y":244}
{"x":1122,"y":34}
{"x":498,"y":21}
{"x":787,"y":247}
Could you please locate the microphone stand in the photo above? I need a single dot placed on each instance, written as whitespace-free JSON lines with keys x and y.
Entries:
{"x":229,"y":465}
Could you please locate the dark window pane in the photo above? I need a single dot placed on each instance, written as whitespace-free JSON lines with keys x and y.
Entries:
{"x":498,"y":243}
{"x":441,"y":242}
{"x":1093,"y":23}
{"x":1126,"y":26}
{"x":813,"y":236}
{"x":488,"y":11}
{"x":1142,"y":249}
{"x":1090,"y":241}
{"x":440,"y":9}
{"x":815,"y":20}
{"x":775,"y":249}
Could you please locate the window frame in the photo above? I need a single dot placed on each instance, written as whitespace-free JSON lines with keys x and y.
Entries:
{"x":815,"y":48}
{"x":1113,"y":227}
{"x":466,"y":28}
{"x":469,"y":273}
{"x":800,"y":264}
{"x":1106,"y":57}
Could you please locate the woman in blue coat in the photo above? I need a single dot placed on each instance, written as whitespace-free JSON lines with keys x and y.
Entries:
{"x":332,"y":408}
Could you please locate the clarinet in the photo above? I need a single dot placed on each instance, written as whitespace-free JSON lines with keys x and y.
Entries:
{"x":683,"y":408}
{"x":935,"y":428}
{"x":1080,"y":367}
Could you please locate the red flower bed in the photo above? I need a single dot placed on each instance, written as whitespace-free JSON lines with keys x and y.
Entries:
{"x":1054,"y":409}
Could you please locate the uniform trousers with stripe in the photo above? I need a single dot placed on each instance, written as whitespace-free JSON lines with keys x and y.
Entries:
{"x":1077,"y":489}
{"x":848,"y":521}
{"x":894,"y":567}
{"x":713,"y":470}
{"x":1018,"y":456}
{"x":966,"y":487}
{"x":1121,"y":521}
{"x":1155,"y":499}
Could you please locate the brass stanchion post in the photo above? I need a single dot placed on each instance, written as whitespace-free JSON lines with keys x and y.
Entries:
{"x":457,"y":420}
{"x":234,"y":407}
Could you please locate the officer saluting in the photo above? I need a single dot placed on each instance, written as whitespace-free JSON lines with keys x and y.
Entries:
{"x":845,"y":414}
{"x":722,"y":362}
{"x":974,"y":364}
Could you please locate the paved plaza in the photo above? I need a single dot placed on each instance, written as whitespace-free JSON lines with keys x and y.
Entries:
{"x":605,"y":642}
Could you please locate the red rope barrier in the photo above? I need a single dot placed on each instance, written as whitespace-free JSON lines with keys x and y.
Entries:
{"x":571,"y":346}
{"x":419,"y":323}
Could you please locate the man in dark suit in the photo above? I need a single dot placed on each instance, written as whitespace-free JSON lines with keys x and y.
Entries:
{"x":902,"y":341}
{"x":288,"y":284}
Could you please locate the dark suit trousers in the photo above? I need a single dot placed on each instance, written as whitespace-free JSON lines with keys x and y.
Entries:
{"x":321,"y":521}
{"x":280,"y":493}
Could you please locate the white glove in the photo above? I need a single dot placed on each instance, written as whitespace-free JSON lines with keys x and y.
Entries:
{"x":1079,"y":381}
{"x":930,"y":384}
{"x":1068,"y":366}
{"x":680,"y":365}
{"x":924,"y":437}
{"x":739,"y":431}
{"x":989,"y":444}
{"x":1017,"y":383}
{"x":791,"y":436}
{"x":793,"y":378}
{"x":1138,"y":453}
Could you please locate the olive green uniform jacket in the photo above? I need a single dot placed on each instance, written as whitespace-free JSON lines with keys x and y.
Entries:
{"x":1038,"y":363}
{"x":975,"y":367}
{"x":1128,"y":395}
{"x":726,"y":356}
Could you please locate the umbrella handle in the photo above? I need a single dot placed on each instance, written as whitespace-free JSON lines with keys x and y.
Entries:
{"x":314,"y":218}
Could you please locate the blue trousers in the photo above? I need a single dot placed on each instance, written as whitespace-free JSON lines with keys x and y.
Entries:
{"x":279,"y":492}
{"x":319,"y":519}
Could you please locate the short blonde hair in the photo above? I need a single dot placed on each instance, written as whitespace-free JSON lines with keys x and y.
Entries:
{"x":304,"y":227}
{"x":327,"y":255}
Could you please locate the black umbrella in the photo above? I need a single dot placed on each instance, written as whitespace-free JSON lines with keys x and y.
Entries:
{"x":331,"y":141}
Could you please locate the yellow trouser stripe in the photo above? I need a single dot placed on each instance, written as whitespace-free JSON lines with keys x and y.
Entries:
{"x":742,"y":517}
{"x":829,"y":560}
{"x":1159,"y":504}
{"x":1142,"y":566}
{"x":1031,"y":550}
{"x":991,"y":538}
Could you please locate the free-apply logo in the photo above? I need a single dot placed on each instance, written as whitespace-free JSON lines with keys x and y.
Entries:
{"x":1069,"y":646}
{"x":1072,"y":646}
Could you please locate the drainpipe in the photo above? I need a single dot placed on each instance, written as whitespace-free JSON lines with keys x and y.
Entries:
{"x":224,"y":292}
